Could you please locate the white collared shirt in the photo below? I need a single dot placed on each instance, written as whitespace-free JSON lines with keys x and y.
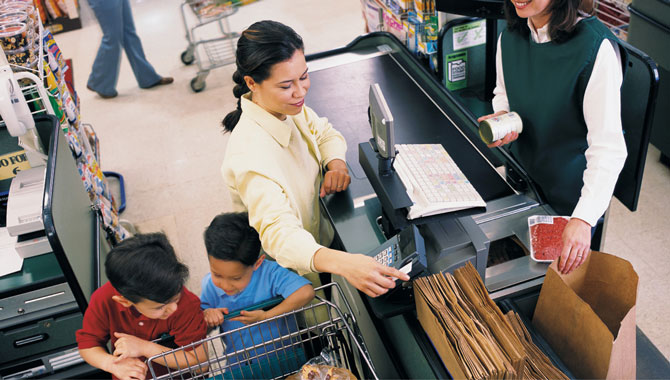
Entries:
{"x":606,"y":153}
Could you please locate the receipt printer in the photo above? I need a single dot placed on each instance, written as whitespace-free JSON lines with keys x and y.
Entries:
{"x":24,"y":203}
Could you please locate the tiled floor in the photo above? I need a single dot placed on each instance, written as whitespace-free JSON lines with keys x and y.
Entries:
{"x":168,"y":143}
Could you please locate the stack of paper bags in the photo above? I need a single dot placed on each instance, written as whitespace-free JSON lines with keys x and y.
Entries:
{"x":474,"y":339}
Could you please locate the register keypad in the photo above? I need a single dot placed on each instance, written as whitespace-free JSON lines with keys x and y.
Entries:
{"x":388,"y":256}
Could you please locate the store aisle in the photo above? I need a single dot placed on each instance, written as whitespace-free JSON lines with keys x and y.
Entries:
{"x":168,"y":143}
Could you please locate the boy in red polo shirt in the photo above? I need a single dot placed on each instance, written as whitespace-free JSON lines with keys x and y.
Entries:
{"x":144,"y":299}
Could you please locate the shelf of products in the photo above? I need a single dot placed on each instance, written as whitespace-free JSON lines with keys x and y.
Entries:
{"x":40,"y":69}
{"x":59,"y":15}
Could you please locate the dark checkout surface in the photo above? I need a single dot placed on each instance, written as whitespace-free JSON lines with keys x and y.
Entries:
{"x":494,"y":240}
{"x":42,"y":305}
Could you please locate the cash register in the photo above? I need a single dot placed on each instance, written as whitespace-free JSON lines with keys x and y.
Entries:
{"x":456,"y":223}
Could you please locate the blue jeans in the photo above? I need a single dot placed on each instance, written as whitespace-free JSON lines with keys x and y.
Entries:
{"x":118,"y":30}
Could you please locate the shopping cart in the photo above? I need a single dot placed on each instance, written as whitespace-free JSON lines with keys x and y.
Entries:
{"x":319,"y":332}
{"x":214,"y":52}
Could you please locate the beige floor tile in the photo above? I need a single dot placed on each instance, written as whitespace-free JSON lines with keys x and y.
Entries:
{"x":166,"y":225}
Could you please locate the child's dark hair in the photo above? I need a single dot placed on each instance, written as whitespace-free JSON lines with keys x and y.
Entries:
{"x":230,"y":238}
{"x":145,"y":266}
{"x":564,"y":14}
{"x":261,"y":46}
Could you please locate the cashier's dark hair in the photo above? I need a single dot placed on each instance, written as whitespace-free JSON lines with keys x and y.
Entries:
{"x":261,"y":46}
{"x":562,"y":22}
{"x":230,"y":238}
{"x":145,"y":266}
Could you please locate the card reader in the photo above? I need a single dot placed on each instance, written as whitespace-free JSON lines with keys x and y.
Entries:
{"x":405,"y":251}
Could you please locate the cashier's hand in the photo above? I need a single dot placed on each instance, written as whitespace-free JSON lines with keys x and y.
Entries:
{"x":370,"y":277}
{"x":129,"y":346}
{"x":576,"y":245}
{"x":508,"y":137}
{"x":250,"y":316}
{"x":128,"y":369}
{"x":336,"y":178}
{"x":214,"y":316}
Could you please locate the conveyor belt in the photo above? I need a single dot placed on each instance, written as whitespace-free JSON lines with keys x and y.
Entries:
{"x":340,"y":93}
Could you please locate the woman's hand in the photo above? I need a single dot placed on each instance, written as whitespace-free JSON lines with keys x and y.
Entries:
{"x":576,"y":245}
{"x":361,"y":271}
{"x":508,"y":137}
{"x":336,"y":178}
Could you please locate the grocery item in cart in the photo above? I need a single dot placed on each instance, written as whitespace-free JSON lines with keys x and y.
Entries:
{"x":322,"y":372}
{"x":546,"y":236}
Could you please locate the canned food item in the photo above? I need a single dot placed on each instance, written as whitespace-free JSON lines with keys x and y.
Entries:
{"x":495,"y":128}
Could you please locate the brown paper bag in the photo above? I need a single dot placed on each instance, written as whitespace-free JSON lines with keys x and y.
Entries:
{"x":588,"y":317}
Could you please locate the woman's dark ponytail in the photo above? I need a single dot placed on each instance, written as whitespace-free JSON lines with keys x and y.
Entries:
{"x":230,"y":121}
{"x":261,"y":46}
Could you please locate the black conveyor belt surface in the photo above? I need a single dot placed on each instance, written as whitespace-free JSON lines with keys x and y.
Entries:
{"x":340,"y":93}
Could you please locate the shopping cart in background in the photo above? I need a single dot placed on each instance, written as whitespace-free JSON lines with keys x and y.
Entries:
{"x":319,"y":333}
{"x":209,"y":51}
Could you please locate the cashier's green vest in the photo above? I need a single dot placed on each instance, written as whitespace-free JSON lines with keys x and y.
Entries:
{"x":545,"y":85}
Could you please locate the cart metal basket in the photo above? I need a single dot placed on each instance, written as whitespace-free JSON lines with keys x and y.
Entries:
{"x":319,"y":329}
{"x":209,"y":53}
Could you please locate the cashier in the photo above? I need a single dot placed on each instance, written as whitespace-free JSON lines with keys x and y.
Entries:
{"x":561,"y":69}
{"x":281,"y":157}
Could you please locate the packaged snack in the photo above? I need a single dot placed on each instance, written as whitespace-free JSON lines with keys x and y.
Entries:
{"x":22,"y":56}
{"x":40,"y":9}
{"x":546,"y":236}
{"x":52,"y":8}
{"x":322,"y":372}
{"x":86,"y":179}
{"x":74,"y":144}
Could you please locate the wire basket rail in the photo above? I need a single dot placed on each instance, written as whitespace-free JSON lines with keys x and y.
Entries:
{"x":286,"y":342}
{"x":208,"y":53}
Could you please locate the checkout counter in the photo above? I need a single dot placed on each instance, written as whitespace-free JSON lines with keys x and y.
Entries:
{"x":42,"y":305}
{"x":493,"y":240}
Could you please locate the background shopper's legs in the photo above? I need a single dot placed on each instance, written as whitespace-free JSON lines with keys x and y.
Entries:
{"x":105,"y":70}
{"x":144,"y":73}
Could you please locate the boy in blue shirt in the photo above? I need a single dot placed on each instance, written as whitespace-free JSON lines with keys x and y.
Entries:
{"x":240,"y":277}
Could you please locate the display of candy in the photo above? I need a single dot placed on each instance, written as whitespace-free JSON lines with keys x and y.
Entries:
{"x":69,"y":107}
{"x":110,"y":219}
{"x":22,"y":56}
{"x":86,"y":179}
{"x":82,"y":140}
{"x":74,"y":144}
{"x":14,"y":17}
{"x":92,"y":137}
{"x":55,"y":97}
{"x":13,"y":36}
{"x":56,"y":61}
{"x":26,"y":7}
